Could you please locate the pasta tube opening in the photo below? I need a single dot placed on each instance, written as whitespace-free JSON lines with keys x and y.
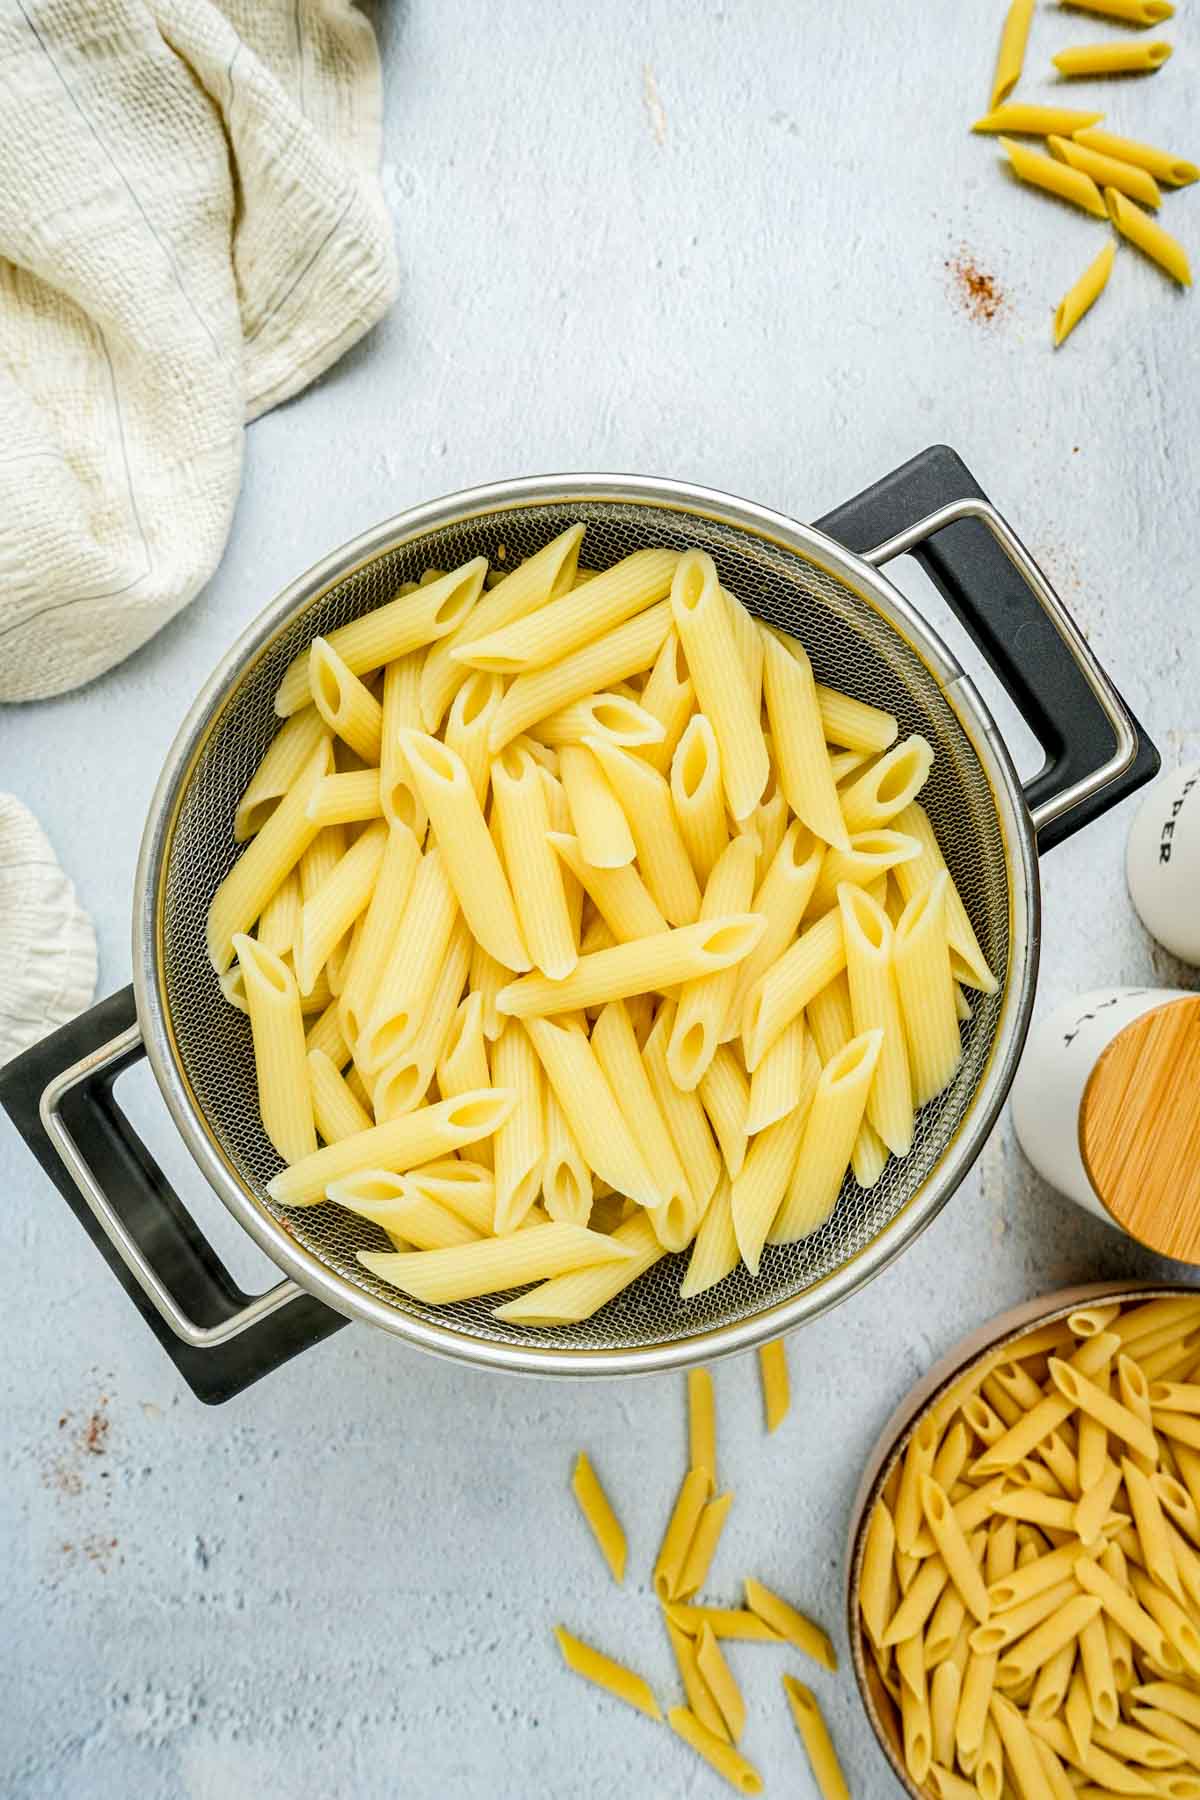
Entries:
{"x":398,"y":1089}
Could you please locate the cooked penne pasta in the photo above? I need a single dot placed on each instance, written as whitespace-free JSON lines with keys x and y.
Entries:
{"x":714,"y":1251}
{"x":1010,"y":58}
{"x":325,"y":1034}
{"x":1112,"y":59}
{"x":798,"y":741}
{"x":280,"y":1057}
{"x":643,"y":964}
{"x":783,"y":895}
{"x":565,"y":1299}
{"x":1172,"y":171}
{"x":468,"y":724}
{"x":748,"y":636}
{"x":600,"y":826}
{"x":613,"y":1676}
{"x":676,"y":1212}
{"x":266,"y":862}
{"x":871,"y":854}
{"x":576,"y":618}
{"x":970,"y":964}
{"x":669,"y":697}
{"x":921,"y":959}
{"x":833,"y":1122}
{"x":831,"y":1024}
{"x":284,"y":758}
{"x":854,"y":724}
{"x":1082,"y":296}
{"x":488,"y":1266}
{"x":875,"y":798}
{"x":875,"y":1006}
{"x":536,"y":872}
{"x":591,"y":1110}
{"x":645,"y":800}
{"x":520,"y":1143}
{"x":599,"y":1517}
{"x":335,"y":1110}
{"x":725,"y":1096}
{"x":1149,"y":237}
{"x":814,"y":1733}
{"x":401,"y":709}
{"x":279,"y":926}
{"x":347,"y":706}
{"x":404,"y":984}
{"x":337,"y":904}
{"x":566,"y":1178}
{"x":698,"y":796}
{"x":722,"y":689}
{"x":777,"y":1396}
{"x":1054,"y":177}
{"x":402,"y":1144}
{"x":761,"y":1182}
{"x":779,"y":1082}
{"x":346,"y":799}
{"x":610,"y":714}
{"x":786,"y":988}
{"x":626,"y":651}
{"x":704,"y":1001}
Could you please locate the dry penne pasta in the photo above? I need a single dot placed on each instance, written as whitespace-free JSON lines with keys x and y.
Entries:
{"x":1053,"y":177}
{"x":1083,"y":294}
{"x":614,"y":1676}
{"x":1112,"y":59}
{"x":1148,"y":235}
{"x":599,"y":1516}
{"x":1022,"y":119}
{"x":1011,"y":55}
{"x":721,"y":1756}
{"x":814,"y":1733}
{"x":1172,"y":171}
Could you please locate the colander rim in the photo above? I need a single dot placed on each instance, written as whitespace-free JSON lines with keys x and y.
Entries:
{"x":814,"y":546}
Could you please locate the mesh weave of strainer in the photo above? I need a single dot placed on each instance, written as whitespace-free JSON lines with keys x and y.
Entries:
{"x":851,"y":646}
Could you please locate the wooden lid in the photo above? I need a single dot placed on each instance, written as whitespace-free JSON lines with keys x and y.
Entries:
{"x":1139,"y":1129}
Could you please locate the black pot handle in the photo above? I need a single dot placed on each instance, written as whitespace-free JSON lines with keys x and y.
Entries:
{"x":60,"y":1096}
{"x":1096,"y":751}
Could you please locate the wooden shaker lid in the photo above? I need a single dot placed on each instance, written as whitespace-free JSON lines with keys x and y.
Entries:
{"x":1139,"y":1129}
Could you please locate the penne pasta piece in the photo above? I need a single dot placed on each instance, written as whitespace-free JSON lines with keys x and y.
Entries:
{"x":844,"y":762}
{"x":279,"y":926}
{"x":626,"y":651}
{"x":705,"y":1000}
{"x":335,"y":1110}
{"x":1115,"y":1418}
{"x":1108,"y":171}
{"x":760,"y":1184}
{"x":326,"y":1035}
{"x":599,"y":1517}
{"x":601,"y":828}
{"x":645,"y":800}
{"x":486,"y":978}
{"x":401,"y":708}
{"x":391,"y":631}
{"x":608,"y":714}
{"x":1112,"y":59}
{"x":853,"y":723}
{"x":347,"y":706}
{"x":1149,"y":237}
{"x":536,"y":872}
{"x":329,"y":913}
{"x":575,"y":618}
{"x":718,"y":1678}
{"x":783,"y":895}
{"x":748,"y":636}
{"x":921,"y":960}
{"x":1130,"y":12}
{"x":879,"y":795}
{"x":788,"y":986}
{"x":1022,"y":120}
{"x":875,"y":1005}
{"x":656,"y":963}
{"x":465,"y":1188}
{"x":410,"y":1217}
{"x":952,"y":1547}
{"x":1082,"y":296}
{"x":545,"y":576}
{"x":463,"y":1063}
{"x":284,"y":758}
{"x":619,"y":894}
{"x":520,"y":1144}
{"x":681,"y":1528}
{"x":402,"y":1144}
{"x":814,"y":1733}
{"x":702,"y":1548}
{"x":685,"y":1116}
{"x":970,"y":964}
{"x":1019,"y":1749}
{"x":566,"y":1178}
{"x":871,"y":854}
{"x":776,"y":1391}
{"x":1010,"y":58}
{"x":722,"y":1757}
{"x":703,"y":622}
{"x":591,"y":1110}
{"x":393,"y":885}
{"x":725,"y":1096}
{"x":468,"y":1271}
{"x":785,"y":1079}
{"x":471,"y":861}
{"x":944,"y":1689}
{"x":1172,"y":171}
{"x":565,"y":1299}
{"x":404,"y":984}
{"x":266,"y":862}
{"x":726,"y":1622}
{"x":832,"y":1026}
{"x":613,"y":1676}
{"x":699,"y":1699}
{"x":698,"y":796}
{"x":798,"y":740}
{"x":829,"y":1134}
{"x":669,"y":697}
{"x":702,"y":1425}
{"x":714,"y":1249}
{"x":468,"y":724}
{"x":346,"y":799}
{"x":676,"y":1214}
{"x":280,"y":1058}
{"x":1054,"y":177}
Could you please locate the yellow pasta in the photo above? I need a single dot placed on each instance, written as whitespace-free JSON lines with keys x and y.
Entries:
{"x":718,"y":1677}
{"x":1055,"y":177}
{"x":468,"y":725}
{"x":699,"y":1699}
{"x":1107,"y":171}
{"x":345,"y":799}
{"x":266,"y":862}
{"x":817,"y":955}
{"x":784,"y":893}
{"x":875,"y":1005}
{"x":877,"y":1575}
{"x":339,"y":901}
{"x":279,"y":925}
{"x":404,"y":984}
{"x":284,"y":758}
{"x":600,"y":826}
{"x":280,"y":1058}
{"x":1082,"y":296}
{"x":545,"y":576}
{"x":402,"y":1144}
{"x":675,"y":1214}
{"x":335,"y":1110}
{"x":779,"y":1083}
{"x":726,"y":1622}
{"x":668,"y":697}
{"x":875,"y":798}
{"x":970,"y":964}
{"x":576,"y":618}
{"x":777,"y":1396}
{"x":567,"y":1298}
{"x":535,"y":871}
{"x":613,"y":1676}
{"x":681,"y":1527}
{"x":1011,"y":56}
{"x":1112,"y":59}
{"x":921,"y":959}
{"x":645,"y":963}
{"x":326,"y":1035}
{"x":393,"y":886}
{"x":521,"y":1140}
{"x":871,"y":854}
{"x":714,"y":1251}
{"x":722,"y":1757}
{"x":761,"y":1182}
{"x":401,"y":709}
{"x":619,"y":894}
{"x":1130,"y":12}
{"x":347,"y":706}
{"x":831,"y":1025}
{"x":798,"y":741}
{"x":1149,"y":237}
{"x":566,"y":1178}
{"x":702,"y":1424}
{"x":788,"y":1625}
{"x":599,"y":1516}
{"x":833,"y":1122}
{"x":610,"y":714}
{"x":1023,"y":120}
{"x":704,"y":1000}
{"x":698,"y":796}
{"x":725,"y":1096}
{"x":462,"y":1187}
{"x":702,"y":1548}
{"x":591,"y":1109}
{"x":626,"y":651}
{"x":1172,"y":171}
{"x":722,"y":690}
{"x":440,"y":1277}
{"x":814,"y":1733}
{"x":645,"y":800}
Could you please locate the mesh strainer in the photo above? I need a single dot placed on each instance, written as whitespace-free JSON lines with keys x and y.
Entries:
{"x":863,"y":637}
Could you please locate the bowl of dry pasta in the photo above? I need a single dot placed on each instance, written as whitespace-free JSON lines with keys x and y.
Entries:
{"x":1024,"y":1567}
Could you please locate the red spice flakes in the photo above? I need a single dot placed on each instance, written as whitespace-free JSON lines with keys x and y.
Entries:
{"x":977,"y":293}
{"x":95,"y":1432}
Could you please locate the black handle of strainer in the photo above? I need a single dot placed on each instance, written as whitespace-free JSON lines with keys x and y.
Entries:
{"x":146,"y":1205}
{"x":1043,"y":670}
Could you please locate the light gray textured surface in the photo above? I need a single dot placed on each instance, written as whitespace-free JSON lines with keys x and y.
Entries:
{"x":701,"y":241}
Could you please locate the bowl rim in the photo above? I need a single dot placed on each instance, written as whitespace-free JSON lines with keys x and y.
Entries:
{"x":894,"y":1437}
{"x":960,"y":692}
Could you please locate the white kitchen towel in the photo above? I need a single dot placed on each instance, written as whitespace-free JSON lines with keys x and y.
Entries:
{"x":191,"y":229}
{"x":47,"y":945}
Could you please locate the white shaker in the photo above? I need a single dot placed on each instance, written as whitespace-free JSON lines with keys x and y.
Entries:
{"x":1106,"y":1106}
{"x":1162,"y":862}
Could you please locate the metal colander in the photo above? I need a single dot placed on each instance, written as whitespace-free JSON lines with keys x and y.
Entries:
{"x":840,"y":609}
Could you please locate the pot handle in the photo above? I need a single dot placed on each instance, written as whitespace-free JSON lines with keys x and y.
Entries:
{"x":1096,"y":751}
{"x":59,"y":1095}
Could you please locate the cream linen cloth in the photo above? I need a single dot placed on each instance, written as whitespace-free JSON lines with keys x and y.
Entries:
{"x":48,"y":964}
{"x":191,"y":229}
